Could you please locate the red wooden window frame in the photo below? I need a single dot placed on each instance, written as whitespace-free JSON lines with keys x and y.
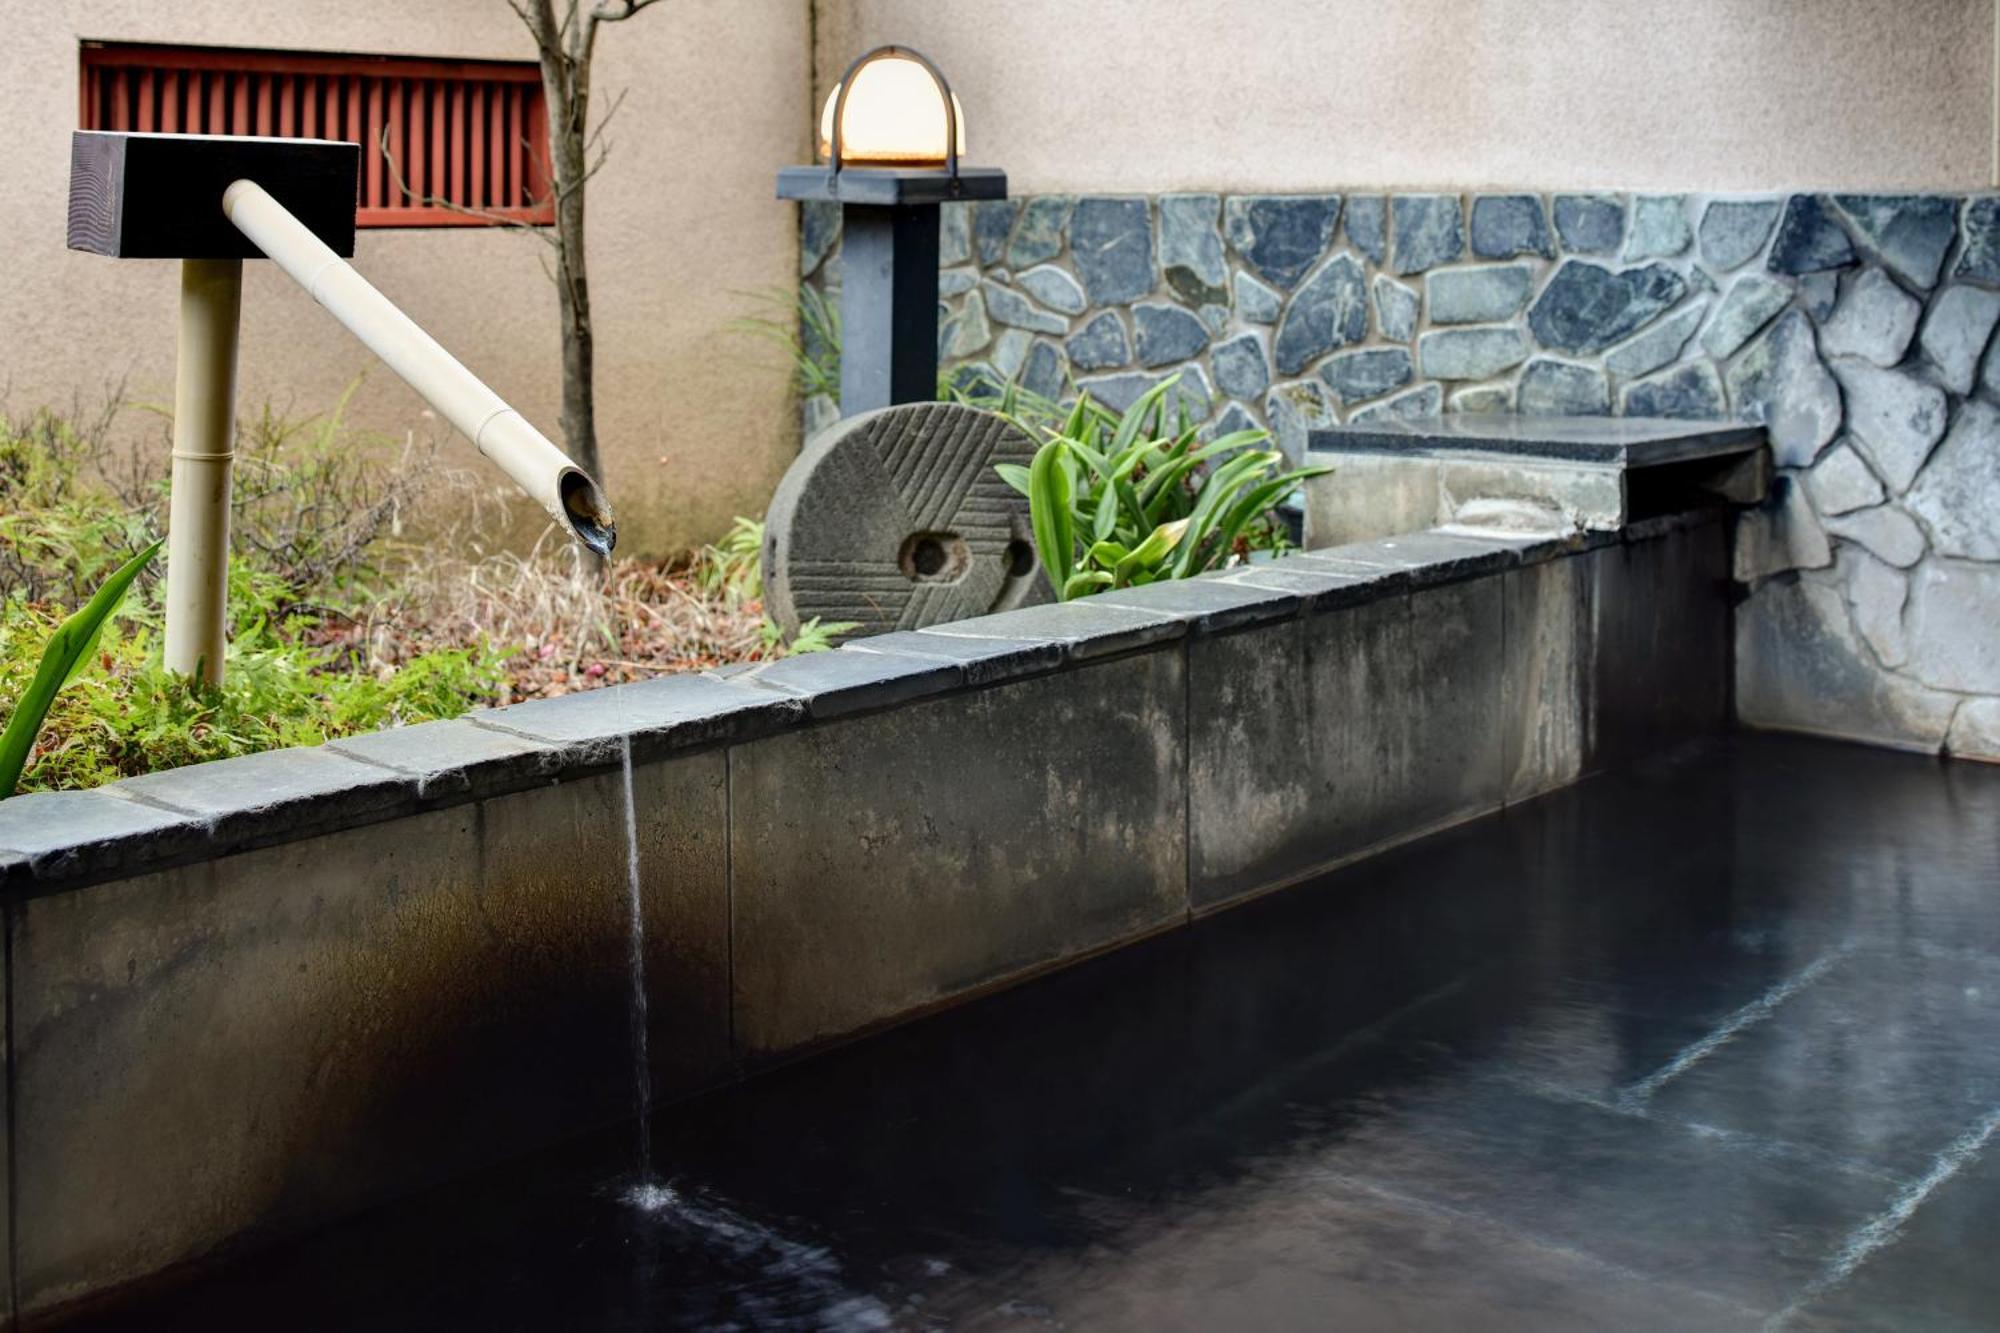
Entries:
{"x":471,"y":133}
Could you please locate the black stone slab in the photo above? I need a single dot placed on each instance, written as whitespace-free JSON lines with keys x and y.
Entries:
{"x":840,"y":682}
{"x":1430,"y":557}
{"x":1318,"y":587}
{"x":984,"y":661}
{"x":1208,"y":606}
{"x":278,"y":795}
{"x":1624,"y":441}
{"x":52,"y":837}
{"x":660,"y":715}
{"x":1084,"y":628}
{"x":457,"y":758}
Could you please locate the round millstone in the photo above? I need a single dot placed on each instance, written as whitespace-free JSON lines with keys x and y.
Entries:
{"x":896,"y":519}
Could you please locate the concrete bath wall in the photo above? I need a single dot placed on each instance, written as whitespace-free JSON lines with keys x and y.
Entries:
{"x":251,"y":996}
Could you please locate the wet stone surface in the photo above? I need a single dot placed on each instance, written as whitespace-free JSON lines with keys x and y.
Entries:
{"x":1714,"y":1045}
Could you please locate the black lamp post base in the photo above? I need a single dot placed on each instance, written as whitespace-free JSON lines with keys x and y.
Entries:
{"x":889,"y":265}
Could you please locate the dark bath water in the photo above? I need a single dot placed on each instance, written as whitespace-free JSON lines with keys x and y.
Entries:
{"x":1712,"y":1046}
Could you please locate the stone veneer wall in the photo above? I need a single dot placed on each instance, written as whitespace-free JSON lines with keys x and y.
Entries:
{"x":1855,"y":326}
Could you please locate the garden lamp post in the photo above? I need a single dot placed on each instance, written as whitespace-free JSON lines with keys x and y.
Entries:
{"x":891,"y":133}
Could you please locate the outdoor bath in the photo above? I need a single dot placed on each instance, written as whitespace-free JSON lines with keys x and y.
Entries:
{"x":1226,"y":697}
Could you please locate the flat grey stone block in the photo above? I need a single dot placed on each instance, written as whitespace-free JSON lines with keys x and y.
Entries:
{"x":1432,"y":557}
{"x":839,"y":682}
{"x":1318,"y":587}
{"x":1627,"y":441}
{"x":70,"y":836}
{"x":884,"y":864}
{"x":280,"y":794}
{"x":660,"y":715}
{"x":457,"y":757}
{"x":1084,"y":628}
{"x":1207,"y":605}
{"x":984,"y":661}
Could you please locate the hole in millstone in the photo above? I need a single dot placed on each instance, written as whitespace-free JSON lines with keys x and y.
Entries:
{"x":1020,"y":559}
{"x":934,"y":557}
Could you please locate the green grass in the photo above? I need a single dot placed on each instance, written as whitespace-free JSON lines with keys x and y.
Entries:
{"x":311,"y":503}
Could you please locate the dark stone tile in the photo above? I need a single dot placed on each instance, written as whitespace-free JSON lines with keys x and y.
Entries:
{"x":1587,"y":307}
{"x":1039,"y":235}
{"x":1166,"y":334}
{"x":1084,"y":628}
{"x":280,"y":794}
{"x":1281,"y":236}
{"x":1809,"y":239}
{"x":1590,"y":224}
{"x":1328,"y":312}
{"x":1909,"y":232}
{"x":1111,"y":245}
{"x":1505,"y":225}
{"x":659,"y":715}
{"x":1100,"y":344}
{"x":456,"y":758}
{"x":984,"y":661}
{"x":839,"y":682}
{"x":1318,"y":587}
{"x":54,"y":838}
{"x":1428,"y":230}
{"x":1979,"y":261}
{"x":1368,"y":226}
{"x":1209,"y":606}
{"x":992,"y":224}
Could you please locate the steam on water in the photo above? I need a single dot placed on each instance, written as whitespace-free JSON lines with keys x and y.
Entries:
{"x":648,"y":1193}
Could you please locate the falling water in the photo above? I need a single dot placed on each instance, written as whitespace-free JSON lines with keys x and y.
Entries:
{"x":647,"y":1193}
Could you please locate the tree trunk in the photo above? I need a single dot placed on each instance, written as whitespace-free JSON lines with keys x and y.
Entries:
{"x":579,"y":405}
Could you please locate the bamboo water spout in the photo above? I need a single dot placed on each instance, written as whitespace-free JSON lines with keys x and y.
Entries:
{"x":534,"y":463}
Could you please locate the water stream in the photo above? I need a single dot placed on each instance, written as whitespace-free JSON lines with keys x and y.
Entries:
{"x":646,"y":1192}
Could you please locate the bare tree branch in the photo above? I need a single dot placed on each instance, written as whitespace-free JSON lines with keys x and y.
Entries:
{"x":499,"y":219}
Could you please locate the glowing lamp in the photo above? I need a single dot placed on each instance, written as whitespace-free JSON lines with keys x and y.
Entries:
{"x":891,"y":134}
{"x":900,"y":113}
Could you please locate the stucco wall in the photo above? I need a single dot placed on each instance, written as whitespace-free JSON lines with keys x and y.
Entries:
{"x":1290,"y":94}
{"x":693,"y":421}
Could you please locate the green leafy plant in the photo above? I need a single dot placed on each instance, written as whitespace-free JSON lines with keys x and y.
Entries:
{"x":813,"y":637}
{"x":1118,"y":501}
{"x":733,"y":568}
{"x":67,"y":653}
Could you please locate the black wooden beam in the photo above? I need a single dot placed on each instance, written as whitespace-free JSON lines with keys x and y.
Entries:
{"x":159,"y":196}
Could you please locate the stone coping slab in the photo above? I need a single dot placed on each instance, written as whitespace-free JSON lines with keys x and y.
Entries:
{"x":659,"y":715}
{"x":983,"y":661}
{"x":49,"y":842}
{"x":1631,"y":442}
